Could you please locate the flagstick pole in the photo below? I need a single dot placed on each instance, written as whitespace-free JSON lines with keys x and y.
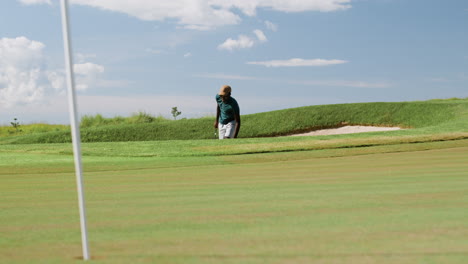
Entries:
{"x":75,"y":129}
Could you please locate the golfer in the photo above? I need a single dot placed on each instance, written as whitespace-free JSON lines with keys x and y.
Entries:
{"x":227,"y":114}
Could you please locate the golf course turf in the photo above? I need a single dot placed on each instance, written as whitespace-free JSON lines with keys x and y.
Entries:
{"x":408,"y":207}
{"x":381,"y":197}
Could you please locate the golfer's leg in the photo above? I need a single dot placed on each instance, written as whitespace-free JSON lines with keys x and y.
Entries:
{"x":221,"y":131}
{"x":230,"y":129}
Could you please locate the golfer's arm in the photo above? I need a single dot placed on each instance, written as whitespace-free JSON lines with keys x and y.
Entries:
{"x":238,"y":124}
{"x":217,"y":116}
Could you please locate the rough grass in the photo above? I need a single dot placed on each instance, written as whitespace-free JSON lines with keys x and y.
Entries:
{"x":424,"y":117}
{"x":28,"y":129}
{"x":136,"y":118}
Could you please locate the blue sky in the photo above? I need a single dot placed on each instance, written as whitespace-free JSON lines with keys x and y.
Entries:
{"x":149,"y":56}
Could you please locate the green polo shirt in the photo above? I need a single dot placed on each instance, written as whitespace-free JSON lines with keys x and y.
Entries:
{"x":227,"y":109}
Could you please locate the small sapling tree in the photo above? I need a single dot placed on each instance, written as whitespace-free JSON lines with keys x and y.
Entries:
{"x":16,"y":125}
{"x":175,"y":112}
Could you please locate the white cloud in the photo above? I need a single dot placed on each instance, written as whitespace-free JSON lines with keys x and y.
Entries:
{"x":25,"y":77}
{"x":204,"y":14}
{"x":249,"y":7}
{"x":87,"y":68}
{"x":57,"y":80}
{"x":87,"y":74}
{"x":21,"y":52}
{"x":34,"y":2}
{"x":296,"y":62}
{"x":187,"y":55}
{"x":21,"y":71}
{"x":242,"y":42}
{"x":260,"y":35}
{"x":271,"y":26}
{"x":198,"y":15}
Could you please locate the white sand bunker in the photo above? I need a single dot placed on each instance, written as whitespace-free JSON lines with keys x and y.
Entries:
{"x":347,"y":130}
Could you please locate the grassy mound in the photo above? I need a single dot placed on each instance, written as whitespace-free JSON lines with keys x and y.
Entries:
{"x":426,"y":116}
{"x":9,"y":131}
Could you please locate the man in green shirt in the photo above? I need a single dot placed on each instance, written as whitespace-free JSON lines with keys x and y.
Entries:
{"x":227,"y":114}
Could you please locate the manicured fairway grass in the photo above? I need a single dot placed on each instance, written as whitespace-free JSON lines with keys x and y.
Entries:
{"x":320,"y":206}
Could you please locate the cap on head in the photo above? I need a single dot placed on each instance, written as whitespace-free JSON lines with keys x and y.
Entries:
{"x":225,"y":89}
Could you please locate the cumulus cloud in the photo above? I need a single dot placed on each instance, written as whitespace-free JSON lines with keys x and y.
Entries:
{"x":56,"y":79}
{"x":87,"y":74}
{"x":242,"y":42}
{"x":296,"y":62}
{"x":198,"y":15}
{"x":249,"y":7}
{"x":25,"y":77}
{"x":21,"y":71}
{"x":205,"y":14}
{"x":260,"y":35}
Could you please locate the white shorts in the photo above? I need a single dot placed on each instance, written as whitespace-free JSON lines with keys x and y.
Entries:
{"x":227,"y":130}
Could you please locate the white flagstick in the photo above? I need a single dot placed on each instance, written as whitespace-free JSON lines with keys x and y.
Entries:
{"x":75,"y":129}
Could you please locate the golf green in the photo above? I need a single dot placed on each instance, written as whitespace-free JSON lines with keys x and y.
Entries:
{"x":409,"y":207}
